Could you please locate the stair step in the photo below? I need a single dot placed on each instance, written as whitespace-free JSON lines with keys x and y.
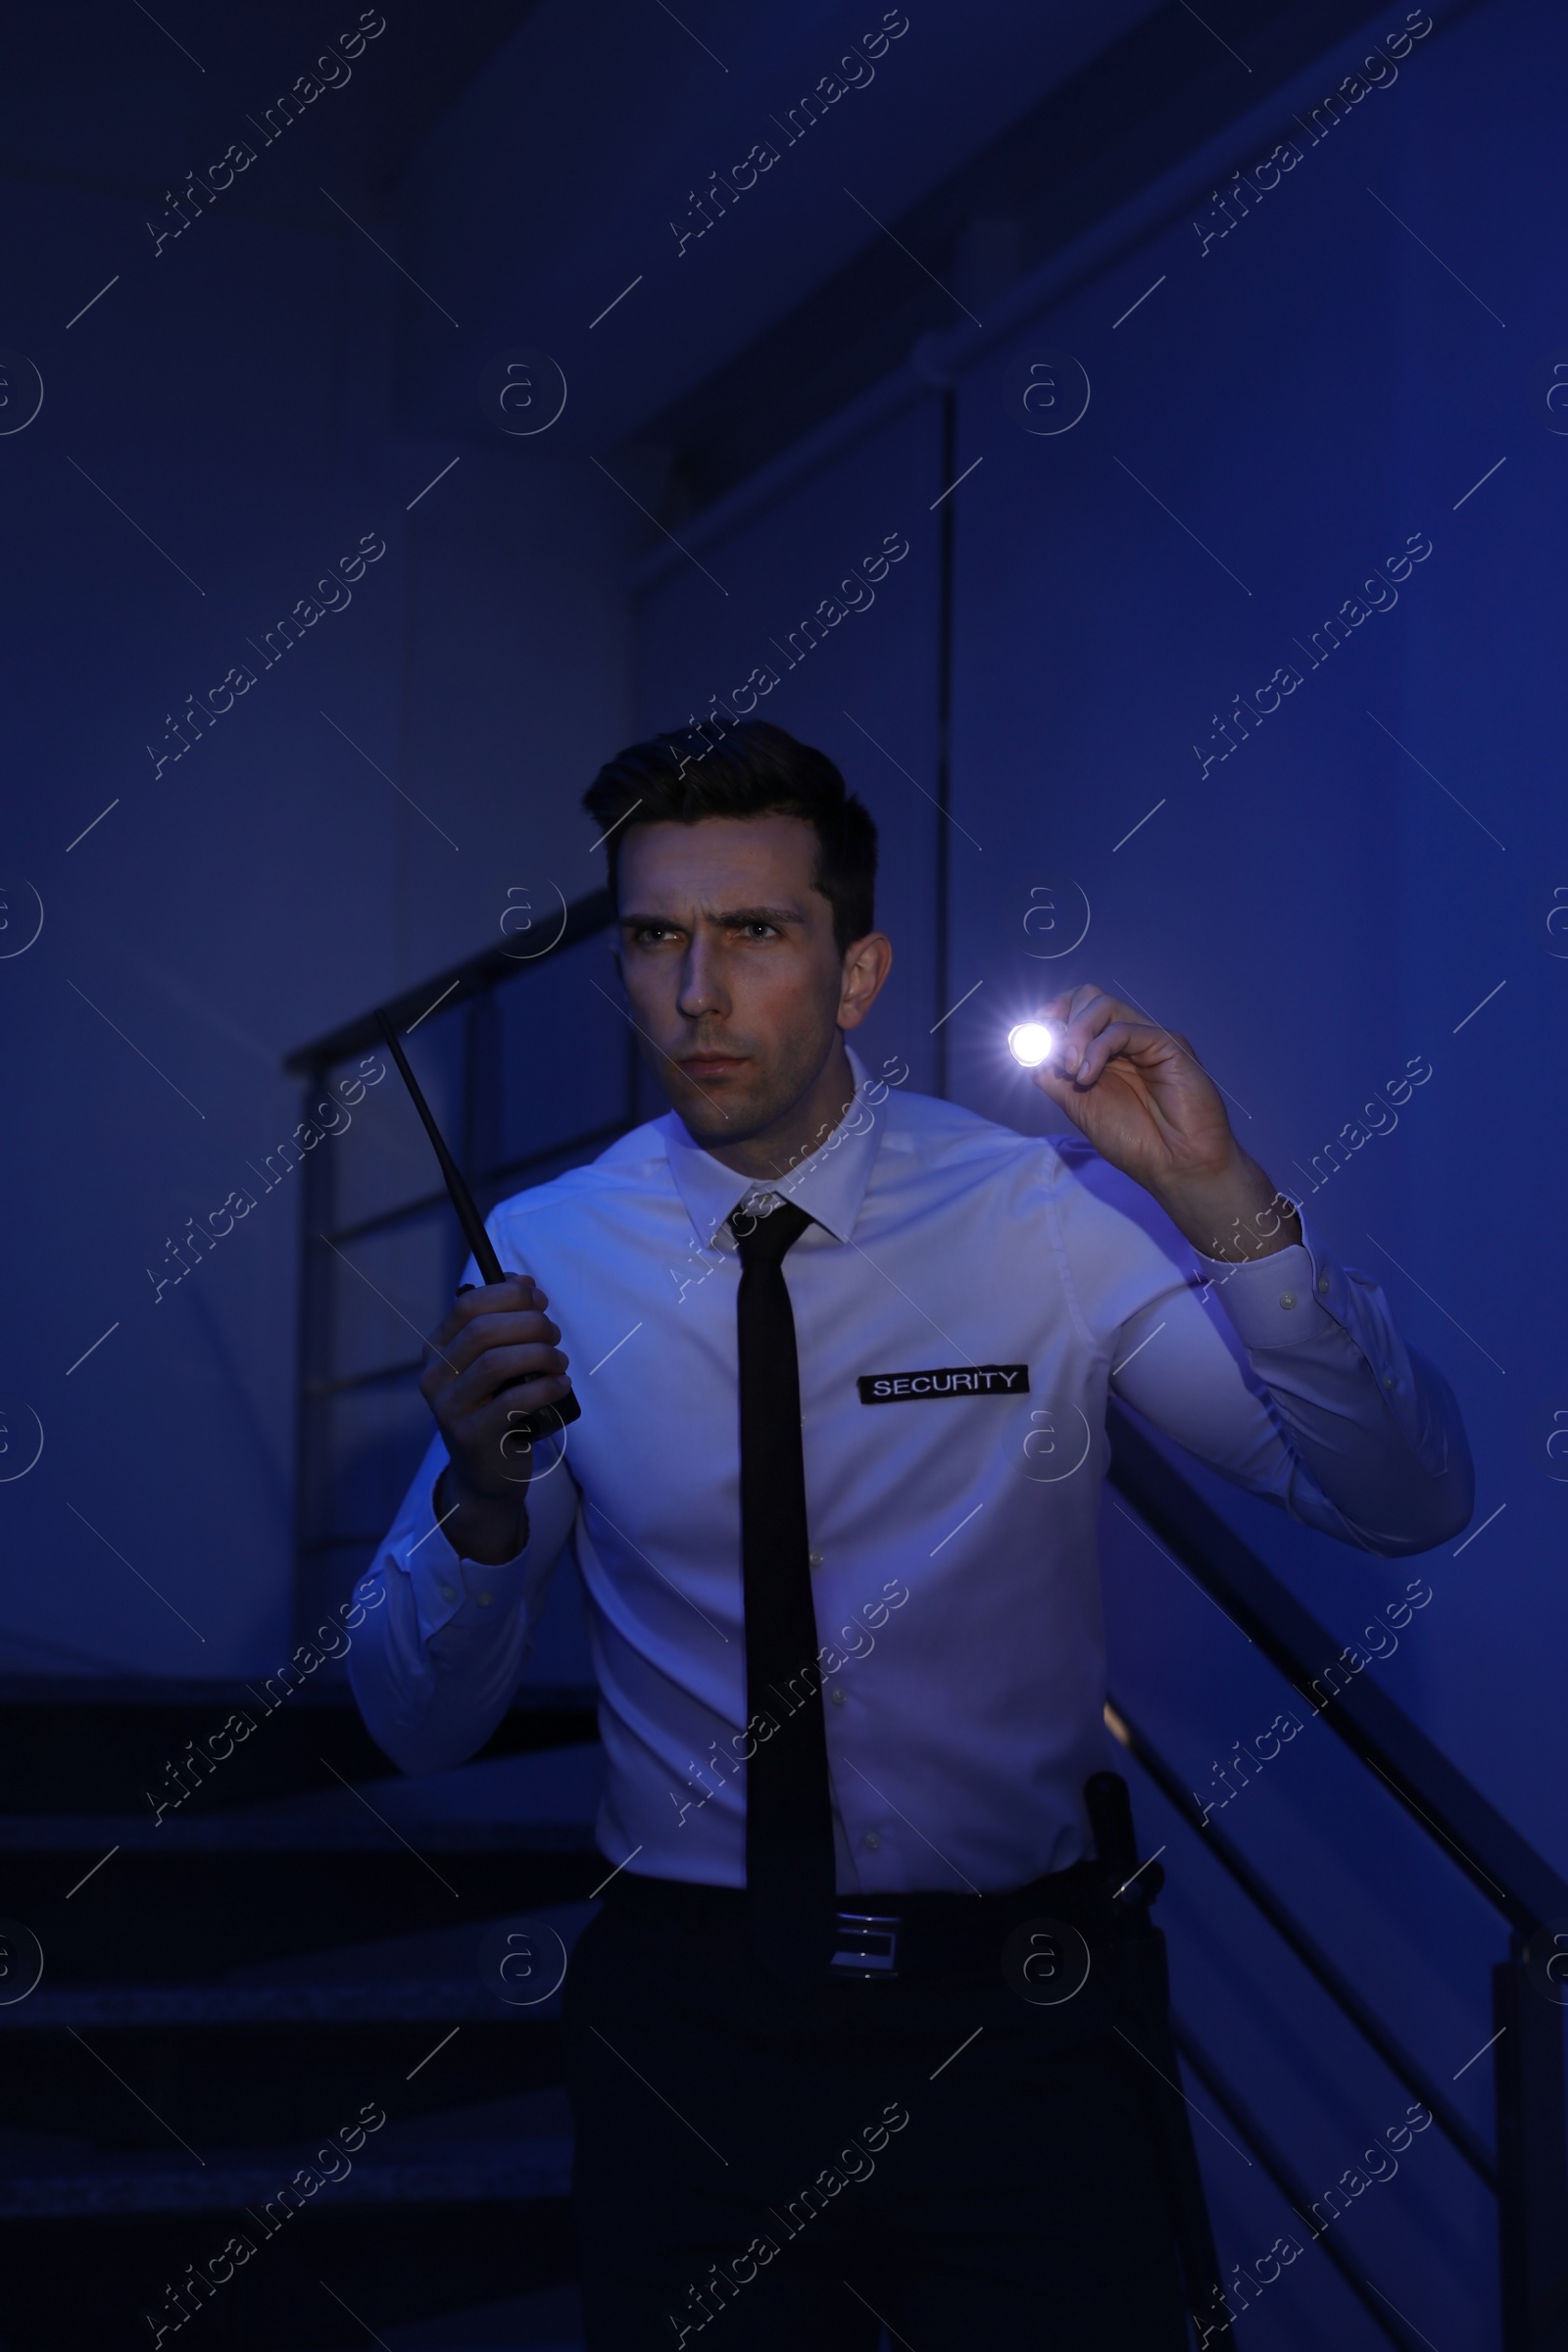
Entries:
{"x":91,"y":1745}
{"x":255,"y":2060}
{"x":460,"y":2174}
{"x":510,"y":1804}
{"x":189,"y":1915}
{"x":82,"y":2282}
{"x":208,"y":2008}
{"x":81,"y":1837}
{"x":183,"y":1895}
{"x":265,"y":2085}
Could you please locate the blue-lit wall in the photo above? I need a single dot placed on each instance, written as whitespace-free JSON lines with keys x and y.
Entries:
{"x":352,"y":821}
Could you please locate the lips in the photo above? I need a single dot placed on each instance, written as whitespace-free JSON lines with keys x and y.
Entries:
{"x":712,"y":1065}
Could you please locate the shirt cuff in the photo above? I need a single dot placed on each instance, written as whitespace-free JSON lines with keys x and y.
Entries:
{"x":446,"y":1586}
{"x":1301,"y":1296}
{"x":1276,"y":1301}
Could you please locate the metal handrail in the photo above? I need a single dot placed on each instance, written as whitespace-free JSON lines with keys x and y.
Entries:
{"x":385,"y":1219}
{"x":448,"y":990}
{"x":1394,"y":2056}
{"x":1529,"y":2172}
{"x":470,"y":983}
{"x":1291,"y":2188}
{"x":1487,"y":1847}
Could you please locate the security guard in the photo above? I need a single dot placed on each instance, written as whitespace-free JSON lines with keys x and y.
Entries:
{"x":844,"y":1353}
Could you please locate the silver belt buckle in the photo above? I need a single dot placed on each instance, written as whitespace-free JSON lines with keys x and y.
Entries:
{"x":867,"y":1944}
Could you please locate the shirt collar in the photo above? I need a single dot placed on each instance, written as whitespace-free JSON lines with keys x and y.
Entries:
{"x":830,"y":1185}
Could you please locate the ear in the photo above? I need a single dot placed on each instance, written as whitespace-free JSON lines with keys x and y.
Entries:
{"x":867,"y":962}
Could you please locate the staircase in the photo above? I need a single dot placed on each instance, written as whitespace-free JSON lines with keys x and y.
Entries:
{"x":157,"y":2099}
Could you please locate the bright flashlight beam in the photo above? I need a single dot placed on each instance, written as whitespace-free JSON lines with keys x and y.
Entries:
{"x":1032,"y":1043}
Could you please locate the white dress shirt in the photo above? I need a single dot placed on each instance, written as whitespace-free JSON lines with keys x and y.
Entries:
{"x":999,"y":1286}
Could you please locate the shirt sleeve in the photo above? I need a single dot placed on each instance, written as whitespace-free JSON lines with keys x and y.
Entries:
{"x":444,"y":1639}
{"x":1286,"y":1374}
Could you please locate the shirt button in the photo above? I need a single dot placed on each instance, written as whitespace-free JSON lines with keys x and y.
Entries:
{"x":1322,"y":1282}
{"x":870,"y":1841}
{"x":1287,"y":1297}
{"x":836,"y":1695}
{"x":447,"y":1593}
{"x":484,"y":1600}
{"x":816,"y":1558}
{"x":1388,"y":1380}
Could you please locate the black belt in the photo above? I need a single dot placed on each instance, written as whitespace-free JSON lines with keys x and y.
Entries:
{"x":898,"y":1935}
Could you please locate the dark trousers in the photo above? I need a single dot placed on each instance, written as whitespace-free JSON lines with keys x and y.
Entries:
{"x":758,"y":2169}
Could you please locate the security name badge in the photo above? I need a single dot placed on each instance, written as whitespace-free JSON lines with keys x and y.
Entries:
{"x":961,"y":1380}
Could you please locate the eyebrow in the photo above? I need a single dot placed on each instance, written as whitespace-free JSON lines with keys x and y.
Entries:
{"x":729,"y":919}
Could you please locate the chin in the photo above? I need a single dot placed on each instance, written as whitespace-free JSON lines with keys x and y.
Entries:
{"x":720,"y":1111}
{"x":714,"y":1118}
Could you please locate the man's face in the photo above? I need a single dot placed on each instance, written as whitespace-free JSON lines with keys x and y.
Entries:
{"x":736,"y":983}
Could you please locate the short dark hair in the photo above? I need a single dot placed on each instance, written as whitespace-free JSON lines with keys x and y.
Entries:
{"x":746,"y":769}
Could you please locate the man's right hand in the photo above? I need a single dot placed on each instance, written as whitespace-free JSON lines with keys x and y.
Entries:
{"x":493,"y":1360}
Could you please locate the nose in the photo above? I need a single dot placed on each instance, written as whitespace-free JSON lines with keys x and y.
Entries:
{"x":701,"y":990}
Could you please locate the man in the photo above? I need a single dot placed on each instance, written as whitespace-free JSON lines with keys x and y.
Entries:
{"x":842,"y":1353}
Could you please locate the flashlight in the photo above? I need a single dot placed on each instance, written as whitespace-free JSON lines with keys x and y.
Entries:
{"x":1032,"y":1043}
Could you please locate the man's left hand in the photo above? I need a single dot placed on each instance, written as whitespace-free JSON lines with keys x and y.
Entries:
{"x":1145,"y":1103}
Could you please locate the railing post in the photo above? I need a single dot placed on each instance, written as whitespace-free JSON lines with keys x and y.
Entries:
{"x":1532,"y":2159}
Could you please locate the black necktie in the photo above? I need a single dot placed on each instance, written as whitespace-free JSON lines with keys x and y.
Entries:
{"x":789,"y":1817}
